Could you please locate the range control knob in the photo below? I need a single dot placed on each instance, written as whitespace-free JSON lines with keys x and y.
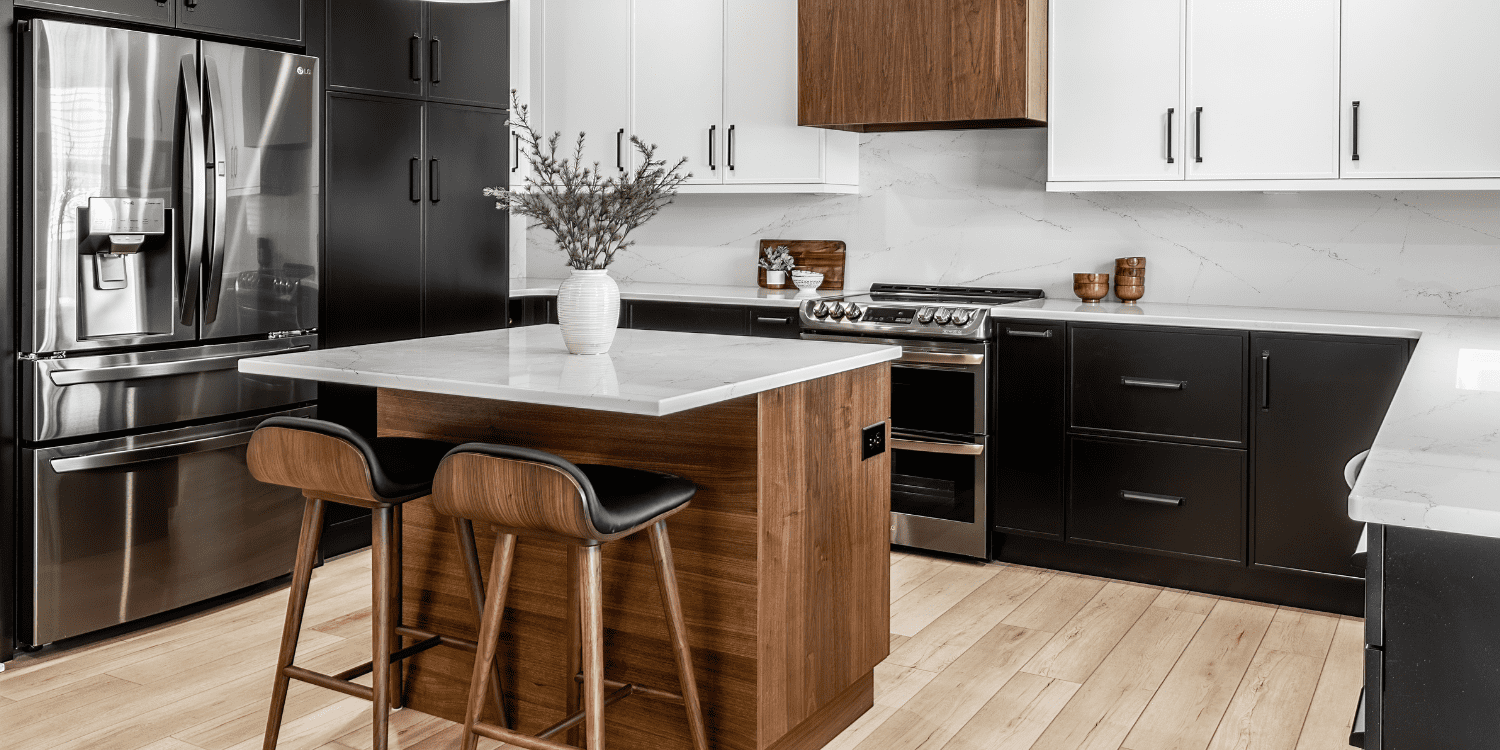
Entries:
{"x":819,"y":310}
{"x":924,"y":315}
{"x":852,"y":311}
{"x":943,"y":316}
{"x":962,"y":317}
{"x":836,"y":311}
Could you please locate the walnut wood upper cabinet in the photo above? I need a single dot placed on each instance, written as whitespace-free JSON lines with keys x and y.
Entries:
{"x":1193,"y":90}
{"x":1421,"y":89}
{"x":885,"y":65}
{"x":712,"y":81}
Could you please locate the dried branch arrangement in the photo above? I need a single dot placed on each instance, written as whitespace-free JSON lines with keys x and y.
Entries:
{"x":589,"y":213}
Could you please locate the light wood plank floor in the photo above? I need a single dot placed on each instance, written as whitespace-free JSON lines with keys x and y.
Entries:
{"x":983,"y":657}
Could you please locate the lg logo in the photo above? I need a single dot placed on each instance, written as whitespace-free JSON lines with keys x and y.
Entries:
{"x":301,"y":71}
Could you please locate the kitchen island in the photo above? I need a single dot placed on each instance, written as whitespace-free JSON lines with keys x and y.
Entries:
{"x":782,"y":557}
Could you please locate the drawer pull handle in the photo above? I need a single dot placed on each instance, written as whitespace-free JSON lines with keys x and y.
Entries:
{"x":1146,"y":497}
{"x":1029,"y":334}
{"x":1166,"y":385}
{"x":778,"y":321}
{"x":924,"y":446}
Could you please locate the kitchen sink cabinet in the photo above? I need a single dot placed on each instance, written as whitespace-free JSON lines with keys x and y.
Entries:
{"x":1028,"y":464}
{"x":1317,"y":402}
{"x":266,"y":20}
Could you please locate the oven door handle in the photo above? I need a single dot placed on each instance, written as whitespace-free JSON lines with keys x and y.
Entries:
{"x":923,"y":446}
{"x":940,"y":358}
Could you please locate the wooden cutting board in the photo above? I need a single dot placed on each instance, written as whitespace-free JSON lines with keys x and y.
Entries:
{"x":824,"y":256}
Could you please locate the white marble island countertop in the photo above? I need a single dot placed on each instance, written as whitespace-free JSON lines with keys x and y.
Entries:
{"x":653,"y":373}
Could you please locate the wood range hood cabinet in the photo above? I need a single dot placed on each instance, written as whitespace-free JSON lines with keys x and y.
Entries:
{"x":888,"y":65}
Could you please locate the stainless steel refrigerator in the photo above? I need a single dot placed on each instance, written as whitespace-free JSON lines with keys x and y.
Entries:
{"x":169,"y":228}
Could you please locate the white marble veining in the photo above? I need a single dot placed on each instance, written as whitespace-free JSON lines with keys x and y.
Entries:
{"x":970,"y":207}
{"x":646,"y":372}
{"x":737,"y":294}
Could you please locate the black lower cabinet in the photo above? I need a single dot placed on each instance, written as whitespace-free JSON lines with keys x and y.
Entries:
{"x":533,"y":311}
{"x":732,"y":320}
{"x":775,"y":322}
{"x":1028,"y":427}
{"x":465,"y":265}
{"x":1317,"y":402}
{"x":1438,"y":676}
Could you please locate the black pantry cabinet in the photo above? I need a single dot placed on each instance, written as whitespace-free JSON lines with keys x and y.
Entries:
{"x":441,"y":51}
{"x":277,"y":21}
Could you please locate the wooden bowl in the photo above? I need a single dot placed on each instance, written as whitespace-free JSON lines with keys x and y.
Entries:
{"x":1090,"y":278}
{"x":1136,"y":262}
{"x":1091,"y":292}
{"x":1129,"y":293}
{"x":1131,"y":272}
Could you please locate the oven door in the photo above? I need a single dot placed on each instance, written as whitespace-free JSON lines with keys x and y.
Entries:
{"x":937,"y":387}
{"x":938,"y":494}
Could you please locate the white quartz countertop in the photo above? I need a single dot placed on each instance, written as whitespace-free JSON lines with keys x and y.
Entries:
{"x":646,"y":372}
{"x":748,"y":294}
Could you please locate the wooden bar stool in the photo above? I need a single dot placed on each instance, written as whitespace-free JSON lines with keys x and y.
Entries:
{"x":525,"y":492}
{"x":332,"y":464}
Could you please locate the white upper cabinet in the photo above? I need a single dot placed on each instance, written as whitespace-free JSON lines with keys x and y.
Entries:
{"x":1115,"y":108}
{"x":1262,"y":89}
{"x":714,"y":81}
{"x":586,"y":82}
{"x":1426,"y":76}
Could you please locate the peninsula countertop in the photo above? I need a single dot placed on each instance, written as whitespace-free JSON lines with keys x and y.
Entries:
{"x":652,"y":373}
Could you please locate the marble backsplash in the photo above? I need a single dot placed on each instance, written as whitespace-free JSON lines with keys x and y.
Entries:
{"x":969,"y":207}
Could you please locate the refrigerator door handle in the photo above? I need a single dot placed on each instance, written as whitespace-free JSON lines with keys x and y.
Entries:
{"x":141,"y":455}
{"x":159,"y":369}
{"x":194,"y":157}
{"x":218,"y":166}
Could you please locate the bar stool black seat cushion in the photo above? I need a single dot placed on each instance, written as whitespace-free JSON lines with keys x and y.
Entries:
{"x":400,"y":468}
{"x":616,"y":499}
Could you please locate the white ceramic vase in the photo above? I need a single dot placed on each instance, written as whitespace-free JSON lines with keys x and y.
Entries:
{"x":588,"y":309}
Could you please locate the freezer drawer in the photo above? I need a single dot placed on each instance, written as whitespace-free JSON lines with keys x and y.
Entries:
{"x":116,"y":530}
{"x":82,"y":396}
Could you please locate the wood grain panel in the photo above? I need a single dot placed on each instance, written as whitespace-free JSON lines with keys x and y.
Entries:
{"x":823,"y":256}
{"x":311,"y":462}
{"x":782,"y":561}
{"x":882,"y":65}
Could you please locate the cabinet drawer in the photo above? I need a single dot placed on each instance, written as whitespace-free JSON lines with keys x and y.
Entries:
{"x":1160,"y":497}
{"x":775,"y":322}
{"x":690,"y":318}
{"x":1169,"y":383}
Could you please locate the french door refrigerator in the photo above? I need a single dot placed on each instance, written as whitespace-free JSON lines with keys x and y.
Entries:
{"x":169,"y":222}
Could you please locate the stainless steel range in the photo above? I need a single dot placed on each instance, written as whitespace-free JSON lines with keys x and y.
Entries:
{"x":939,"y":401}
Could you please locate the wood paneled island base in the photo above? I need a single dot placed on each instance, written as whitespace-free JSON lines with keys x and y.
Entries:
{"x":782,"y":559}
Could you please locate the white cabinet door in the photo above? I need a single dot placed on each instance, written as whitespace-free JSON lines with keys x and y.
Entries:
{"x":586,"y":76}
{"x":760,"y":96}
{"x":1115,"y":79}
{"x":1264,"y":74}
{"x":1426,"y":76}
{"x":679,"y":83}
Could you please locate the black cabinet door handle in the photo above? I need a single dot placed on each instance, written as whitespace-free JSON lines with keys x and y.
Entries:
{"x":1165,"y":385}
{"x":1354,"y":125}
{"x":1198,"y":142}
{"x":414,"y":58}
{"x":1171,"y":115}
{"x":1150,"y":499}
{"x":620,"y":150}
{"x":1028,"y":334}
{"x":515,"y":162}
{"x":416,"y":180}
{"x":1265,"y":381}
{"x":730,"y":160}
{"x":436,"y":63}
{"x":434,"y":181}
{"x":190,"y":3}
{"x":712,"y":129}
{"x":773,"y":321}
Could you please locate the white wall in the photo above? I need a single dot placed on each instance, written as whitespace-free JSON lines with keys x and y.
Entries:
{"x":968,"y":207}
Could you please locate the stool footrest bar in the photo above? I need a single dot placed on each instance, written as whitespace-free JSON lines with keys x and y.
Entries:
{"x":330,"y":682}
{"x":641,"y":690}
{"x":353,"y":673}
{"x":577,"y":718}
{"x":444,"y":640}
{"x":519,"y":740}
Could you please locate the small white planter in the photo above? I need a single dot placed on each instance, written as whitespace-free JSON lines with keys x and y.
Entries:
{"x":775,"y":278}
{"x":588,"y":309}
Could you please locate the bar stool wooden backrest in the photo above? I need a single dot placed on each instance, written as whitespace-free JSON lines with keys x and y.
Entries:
{"x":313,"y":462}
{"x":531,"y":493}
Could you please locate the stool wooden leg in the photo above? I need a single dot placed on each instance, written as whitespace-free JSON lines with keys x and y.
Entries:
{"x":666,"y":577}
{"x":592,"y":575}
{"x":380,"y":538}
{"x":307,"y":554}
{"x":395,"y":592}
{"x":469,"y":550}
{"x":574,"y":641}
{"x":489,"y":634}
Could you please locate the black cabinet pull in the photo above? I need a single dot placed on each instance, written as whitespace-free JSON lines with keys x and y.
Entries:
{"x":1165,"y":385}
{"x":414,"y":58}
{"x":516,"y":162}
{"x":620,"y":150}
{"x":731,"y":148}
{"x":1028,"y":334}
{"x":436,"y":62}
{"x":434,"y":180}
{"x":1171,"y":115}
{"x":1265,"y":381}
{"x":711,"y":130}
{"x":1354,"y":125}
{"x":416,"y":180}
{"x":190,"y":3}
{"x":1150,"y":499}
{"x":774,"y":321}
{"x":1198,"y":143}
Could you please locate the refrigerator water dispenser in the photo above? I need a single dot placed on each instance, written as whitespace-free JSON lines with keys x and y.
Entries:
{"x":127,"y":277}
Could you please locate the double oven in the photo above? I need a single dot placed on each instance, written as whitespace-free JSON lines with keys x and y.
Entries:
{"x":940,"y":404}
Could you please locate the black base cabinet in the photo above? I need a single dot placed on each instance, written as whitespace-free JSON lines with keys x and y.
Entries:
{"x":1028,"y":427}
